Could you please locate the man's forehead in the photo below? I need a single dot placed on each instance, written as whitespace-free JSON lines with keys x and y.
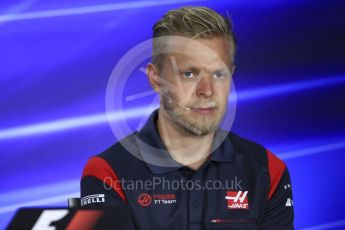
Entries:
{"x":211,"y":53}
{"x":192,"y":62}
{"x":186,"y":44}
{"x":213,"y":47}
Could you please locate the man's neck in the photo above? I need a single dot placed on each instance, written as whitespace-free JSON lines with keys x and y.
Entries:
{"x":184,"y":147}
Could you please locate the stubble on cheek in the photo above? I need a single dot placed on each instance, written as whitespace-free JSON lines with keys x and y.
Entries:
{"x":193,"y":123}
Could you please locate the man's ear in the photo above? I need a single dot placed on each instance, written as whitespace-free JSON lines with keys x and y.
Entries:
{"x":152,"y":74}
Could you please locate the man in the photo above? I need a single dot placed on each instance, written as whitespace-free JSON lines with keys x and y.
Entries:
{"x":191,"y":69}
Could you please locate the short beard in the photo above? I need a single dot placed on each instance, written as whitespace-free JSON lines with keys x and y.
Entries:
{"x":199,"y":126}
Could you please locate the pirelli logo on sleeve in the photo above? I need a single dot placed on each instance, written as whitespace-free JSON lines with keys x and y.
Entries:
{"x":95,"y":198}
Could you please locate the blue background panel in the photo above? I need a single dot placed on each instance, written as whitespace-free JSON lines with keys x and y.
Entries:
{"x":57,"y":56}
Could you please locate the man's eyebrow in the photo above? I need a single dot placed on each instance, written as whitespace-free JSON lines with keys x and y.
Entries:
{"x":188,"y":67}
{"x":196,"y":69}
{"x":223,"y":70}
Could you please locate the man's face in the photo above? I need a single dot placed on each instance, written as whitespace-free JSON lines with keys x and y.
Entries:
{"x":195,"y":80}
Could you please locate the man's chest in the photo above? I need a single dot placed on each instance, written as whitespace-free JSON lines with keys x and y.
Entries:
{"x":207,"y":199}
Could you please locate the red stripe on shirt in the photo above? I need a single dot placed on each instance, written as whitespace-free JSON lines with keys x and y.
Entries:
{"x":276,"y":169}
{"x":99,"y":168}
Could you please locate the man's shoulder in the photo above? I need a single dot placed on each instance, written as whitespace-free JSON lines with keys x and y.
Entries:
{"x":123,"y":156}
{"x":124,"y":149}
{"x":243,"y":145}
{"x":253,"y":151}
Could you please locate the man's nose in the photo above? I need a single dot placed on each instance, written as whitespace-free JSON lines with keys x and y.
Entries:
{"x":205,"y":87}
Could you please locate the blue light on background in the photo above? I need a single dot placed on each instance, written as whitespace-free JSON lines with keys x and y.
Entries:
{"x":57,"y":56}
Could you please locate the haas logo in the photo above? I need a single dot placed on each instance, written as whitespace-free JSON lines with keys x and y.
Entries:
{"x":237,"y":199}
{"x":144,"y":199}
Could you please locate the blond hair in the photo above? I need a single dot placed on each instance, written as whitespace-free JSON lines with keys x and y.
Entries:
{"x":192,"y":22}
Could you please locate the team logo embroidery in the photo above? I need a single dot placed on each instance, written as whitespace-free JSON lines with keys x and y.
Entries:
{"x":145,"y":199}
{"x":237,"y":199}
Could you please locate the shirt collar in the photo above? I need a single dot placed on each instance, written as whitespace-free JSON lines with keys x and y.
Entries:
{"x":159,"y":160}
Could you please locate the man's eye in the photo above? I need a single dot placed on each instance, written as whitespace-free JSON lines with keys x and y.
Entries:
{"x":219,"y":75}
{"x":188,"y":74}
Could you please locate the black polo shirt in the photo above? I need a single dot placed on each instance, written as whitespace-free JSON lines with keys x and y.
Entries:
{"x":242,"y":185}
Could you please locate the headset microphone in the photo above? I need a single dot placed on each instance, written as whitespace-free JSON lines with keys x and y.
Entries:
{"x":170,"y":100}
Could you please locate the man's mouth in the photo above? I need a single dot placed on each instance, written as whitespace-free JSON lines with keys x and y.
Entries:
{"x":204,"y":110}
